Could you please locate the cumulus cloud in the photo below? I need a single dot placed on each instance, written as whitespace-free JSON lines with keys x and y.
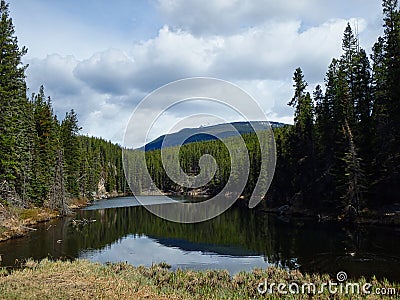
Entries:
{"x":256,"y":44}
{"x":258,"y":58}
{"x":101,"y":112}
{"x":55,"y":72}
{"x":274,"y":49}
{"x":172,"y":55}
{"x":109,"y":72}
{"x":257,"y":54}
{"x":229,"y":17}
{"x":149,"y":64}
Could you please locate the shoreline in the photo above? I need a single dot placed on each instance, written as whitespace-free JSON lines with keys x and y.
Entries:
{"x":17,"y":222}
{"x":368,"y":218}
{"x":389,"y":217}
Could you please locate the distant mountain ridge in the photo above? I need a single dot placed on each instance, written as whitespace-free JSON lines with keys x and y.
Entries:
{"x":208,"y":133}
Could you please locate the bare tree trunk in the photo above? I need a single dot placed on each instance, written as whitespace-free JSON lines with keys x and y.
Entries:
{"x":58,"y":199}
{"x":354,"y":173}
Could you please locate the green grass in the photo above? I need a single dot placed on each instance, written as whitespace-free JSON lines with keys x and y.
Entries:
{"x":81,"y":279}
{"x":2,"y":229}
{"x":30,"y":213}
{"x":15,"y":222}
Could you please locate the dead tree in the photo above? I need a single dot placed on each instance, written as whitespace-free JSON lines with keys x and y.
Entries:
{"x":354,"y":173}
{"x":58,"y":198}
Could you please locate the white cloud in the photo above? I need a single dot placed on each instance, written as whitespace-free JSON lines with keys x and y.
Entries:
{"x":100,"y":112}
{"x":172,"y":55}
{"x":227,"y":17}
{"x":109,"y":72}
{"x":256,"y":44}
{"x":56,"y":72}
{"x":274,"y":49}
{"x":232,"y":16}
{"x":255,"y":54}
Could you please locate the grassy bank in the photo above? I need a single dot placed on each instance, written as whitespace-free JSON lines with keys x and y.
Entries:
{"x":85,"y":280}
{"x":16,"y":222}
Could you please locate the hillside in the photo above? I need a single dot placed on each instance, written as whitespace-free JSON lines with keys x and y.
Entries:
{"x":208,"y":133}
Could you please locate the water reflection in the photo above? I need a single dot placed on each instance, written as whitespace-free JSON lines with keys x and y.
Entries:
{"x":142,"y":250}
{"x":239,"y":239}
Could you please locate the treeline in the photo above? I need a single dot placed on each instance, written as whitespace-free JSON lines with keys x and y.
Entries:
{"x":100,"y":168}
{"x":343,"y":151}
{"x":341,"y":155}
{"x":230,"y":160}
{"x":44,"y":161}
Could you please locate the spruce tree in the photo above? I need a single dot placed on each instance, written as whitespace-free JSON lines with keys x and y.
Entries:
{"x":14,"y":109}
{"x":303,"y":152}
{"x":386,"y":106}
{"x":45,"y":147}
{"x":69,"y":139}
{"x":391,"y":13}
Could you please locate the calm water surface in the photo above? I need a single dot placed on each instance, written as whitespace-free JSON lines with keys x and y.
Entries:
{"x":240,"y":239}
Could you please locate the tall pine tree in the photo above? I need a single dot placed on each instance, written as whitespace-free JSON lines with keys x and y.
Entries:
{"x":70,"y":144}
{"x":15,"y":138}
{"x":303,"y":137}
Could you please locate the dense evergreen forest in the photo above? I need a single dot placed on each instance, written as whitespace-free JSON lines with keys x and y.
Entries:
{"x":341,"y":155}
{"x":43,"y":160}
{"x":343,"y":152}
{"x":189,"y":160}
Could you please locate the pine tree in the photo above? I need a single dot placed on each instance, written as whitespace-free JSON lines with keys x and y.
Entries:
{"x":69,"y":140}
{"x":324,"y":140}
{"x":45,"y":146}
{"x":391,"y":26}
{"x":14,"y":108}
{"x":303,"y":116}
{"x":380,"y":120}
{"x":355,"y":99}
{"x":391,"y":13}
{"x":362,"y":98}
{"x":304,"y":137}
{"x":323,"y":122}
{"x":386,"y":106}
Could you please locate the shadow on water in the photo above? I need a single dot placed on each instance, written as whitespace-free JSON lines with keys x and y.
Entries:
{"x":239,"y":239}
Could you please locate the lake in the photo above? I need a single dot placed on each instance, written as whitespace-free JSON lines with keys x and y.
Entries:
{"x":238,"y":240}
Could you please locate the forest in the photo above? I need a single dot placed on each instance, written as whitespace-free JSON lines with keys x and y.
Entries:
{"x":44,"y":161}
{"x":343,"y":152}
{"x":341,"y":155}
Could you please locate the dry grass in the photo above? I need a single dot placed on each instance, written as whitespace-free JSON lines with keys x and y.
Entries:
{"x":77,"y":280}
{"x":85,"y":280}
{"x":78,"y":202}
{"x":16,"y":222}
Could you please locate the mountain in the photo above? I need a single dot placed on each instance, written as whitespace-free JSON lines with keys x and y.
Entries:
{"x":220,"y":131}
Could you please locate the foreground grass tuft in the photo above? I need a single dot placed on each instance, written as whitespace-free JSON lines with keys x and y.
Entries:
{"x":82,"y":279}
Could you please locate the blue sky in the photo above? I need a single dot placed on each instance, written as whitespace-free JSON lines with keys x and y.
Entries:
{"x":102,"y":57}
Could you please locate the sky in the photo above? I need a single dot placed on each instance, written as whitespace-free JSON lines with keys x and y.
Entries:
{"x":101,"y":58}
